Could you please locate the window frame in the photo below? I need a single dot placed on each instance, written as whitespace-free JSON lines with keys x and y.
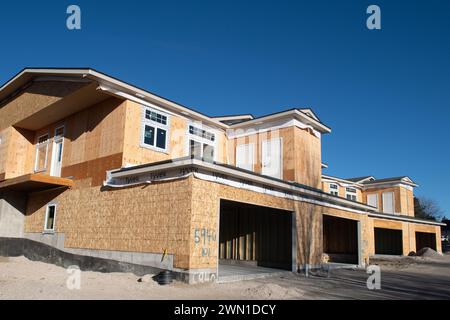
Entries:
{"x":251,"y":146}
{"x":47,"y":144}
{"x":156,"y":126}
{"x":351,"y":193}
{"x":332,"y":192}
{"x":393,"y":202}
{"x":377,"y":200}
{"x":201,"y":140}
{"x":54,"y":205}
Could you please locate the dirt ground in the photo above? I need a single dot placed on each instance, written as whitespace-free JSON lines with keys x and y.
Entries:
{"x":410,"y":278}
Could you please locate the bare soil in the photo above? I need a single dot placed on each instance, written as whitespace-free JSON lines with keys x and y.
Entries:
{"x":406,"y":278}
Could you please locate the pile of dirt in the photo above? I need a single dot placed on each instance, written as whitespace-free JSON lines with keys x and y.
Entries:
{"x":427,"y":253}
{"x":272,"y":291}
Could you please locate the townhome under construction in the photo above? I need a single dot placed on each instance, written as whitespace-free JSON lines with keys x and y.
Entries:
{"x":98,"y":172}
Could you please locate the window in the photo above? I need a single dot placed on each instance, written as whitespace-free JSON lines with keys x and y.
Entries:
{"x":334,"y":189}
{"x":50,"y":217}
{"x":245,"y":156}
{"x":202,"y":133}
{"x":388,"y":202}
{"x":350,"y":194}
{"x":201,"y":143}
{"x":155,"y":129}
{"x":41,"y":154}
{"x":372,"y":200}
{"x":156,"y":117}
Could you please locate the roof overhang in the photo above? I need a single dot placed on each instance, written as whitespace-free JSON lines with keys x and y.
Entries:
{"x":404,"y":218}
{"x":327,"y":178}
{"x":390,"y":183}
{"x":107,"y":84}
{"x":156,"y":169}
{"x":295,"y":113}
{"x":35,"y":183}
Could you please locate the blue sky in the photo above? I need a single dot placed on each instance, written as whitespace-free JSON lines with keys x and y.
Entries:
{"x":385,"y":94}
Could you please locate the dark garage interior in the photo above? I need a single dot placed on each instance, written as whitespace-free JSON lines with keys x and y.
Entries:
{"x":425,"y":240}
{"x":340,"y":239}
{"x":255,"y":235}
{"x":388,"y":241}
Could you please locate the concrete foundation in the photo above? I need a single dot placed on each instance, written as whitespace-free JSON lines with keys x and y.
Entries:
{"x":12,"y":214}
{"x":56,"y":240}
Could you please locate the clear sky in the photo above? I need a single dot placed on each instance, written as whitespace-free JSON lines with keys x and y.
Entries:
{"x":385,"y":93}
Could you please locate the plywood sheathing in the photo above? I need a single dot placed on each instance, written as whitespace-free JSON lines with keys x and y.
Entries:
{"x":308,"y":158}
{"x":36,"y":97}
{"x":93,"y":138}
{"x":16,"y":152}
{"x":149,"y":218}
{"x":408,"y":232}
{"x":205,"y":209}
{"x":134,"y":154}
{"x":342,"y":191}
{"x":403,"y":199}
{"x":302,"y":155}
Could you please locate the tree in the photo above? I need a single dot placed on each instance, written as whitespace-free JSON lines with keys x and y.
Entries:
{"x":429,"y":209}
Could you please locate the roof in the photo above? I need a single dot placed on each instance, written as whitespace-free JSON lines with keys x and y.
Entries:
{"x":359,"y":179}
{"x":297,"y":113}
{"x":326,"y":176}
{"x":125,"y":90}
{"x":223,"y":171}
{"x":403,"y":180}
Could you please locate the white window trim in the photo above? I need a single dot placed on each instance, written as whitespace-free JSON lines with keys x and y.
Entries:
{"x":46,"y":153}
{"x":201,"y":140}
{"x":377,"y":201}
{"x":351,"y":193}
{"x":252,"y":146}
{"x":393,"y":202}
{"x":54,"y":144}
{"x":46,"y":218}
{"x":333,"y":190}
{"x":156,"y":125}
{"x":281,"y":155}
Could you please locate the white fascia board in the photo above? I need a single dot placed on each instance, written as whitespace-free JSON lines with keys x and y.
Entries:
{"x":121,"y":86}
{"x":343,"y":182}
{"x":290,"y":113}
{"x":238,"y":117}
{"x":269,"y":126}
{"x":409,"y":186}
{"x":403,"y":218}
{"x":139,"y":101}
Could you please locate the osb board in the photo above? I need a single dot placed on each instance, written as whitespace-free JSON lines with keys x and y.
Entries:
{"x":342,"y":191}
{"x":409,"y":232}
{"x":90,"y":135}
{"x":4,"y":138}
{"x":387,"y":224}
{"x":180,"y":216}
{"x":94,"y":133}
{"x":16,"y":152}
{"x":397,"y":198}
{"x":308,"y":158}
{"x":205,"y":214}
{"x":149,"y":218}
{"x":288,"y":152}
{"x":134,"y":154}
{"x":33,"y":99}
{"x":94,"y":170}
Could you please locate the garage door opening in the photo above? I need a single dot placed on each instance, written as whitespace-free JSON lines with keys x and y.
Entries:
{"x":388,"y":241}
{"x":340,"y":239}
{"x":255,"y":236}
{"x":425,"y":240}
